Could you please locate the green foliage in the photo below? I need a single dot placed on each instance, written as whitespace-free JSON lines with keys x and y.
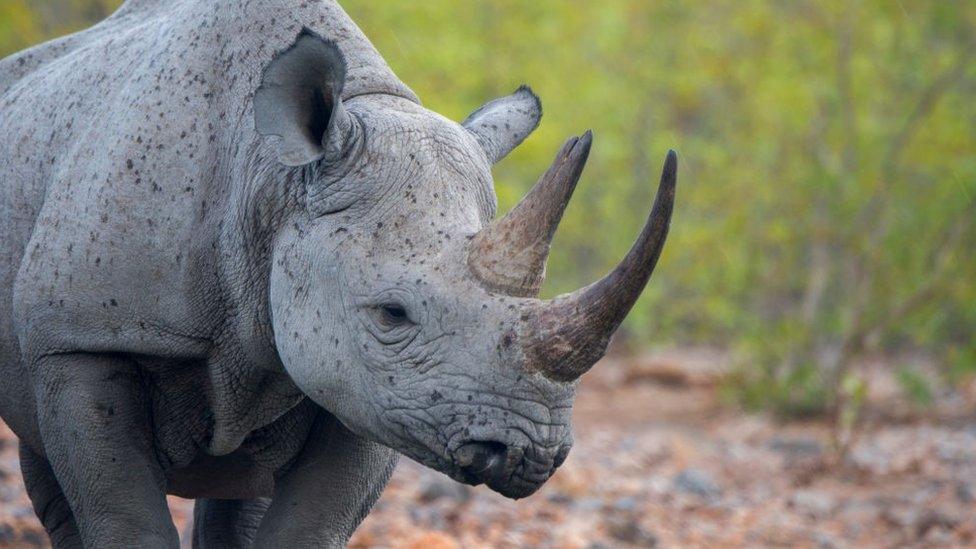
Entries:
{"x":915,"y":386}
{"x":854,"y":391}
{"x":828,"y":176}
{"x":962,"y":364}
{"x":799,"y":392}
{"x":18,"y":26}
{"x":851,"y":397}
{"x":26,"y":22}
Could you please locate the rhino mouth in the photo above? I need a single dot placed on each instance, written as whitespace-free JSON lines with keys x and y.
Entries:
{"x":512,"y":451}
{"x":509,"y":470}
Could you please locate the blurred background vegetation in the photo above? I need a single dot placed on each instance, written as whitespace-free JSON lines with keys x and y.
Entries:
{"x":828,"y":182}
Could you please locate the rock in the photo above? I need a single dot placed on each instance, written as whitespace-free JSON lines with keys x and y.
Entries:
{"x":697,"y":482}
{"x":797,"y":447}
{"x":939,"y":537}
{"x":625,"y":504}
{"x":7,"y":535}
{"x":33,"y":538}
{"x":688,"y":368}
{"x":932,"y":519}
{"x":824,"y":540}
{"x":813,"y":503}
{"x":9,"y":493}
{"x":965,"y":493}
{"x":900,"y":517}
{"x":22,"y":535}
{"x":439,"y":488}
{"x":628,"y":530}
{"x":921,"y":522}
{"x":22,"y":512}
{"x":589,"y":504}
{"x":560,"y":498}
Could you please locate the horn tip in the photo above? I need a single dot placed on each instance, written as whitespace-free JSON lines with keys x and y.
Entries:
{"x":584,"y":142}
{"x":669,"y":174}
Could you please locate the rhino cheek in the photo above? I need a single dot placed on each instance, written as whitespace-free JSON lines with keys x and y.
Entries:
{"x":315,"y":363}
{"x":310,"y":363}
{"x":307,"y":329}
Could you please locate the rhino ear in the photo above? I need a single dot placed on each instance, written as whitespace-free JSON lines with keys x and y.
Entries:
{"x":502,"y":124}
{"x":299,"y":101}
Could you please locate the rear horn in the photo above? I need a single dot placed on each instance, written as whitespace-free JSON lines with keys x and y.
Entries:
{"x":568,"y":334}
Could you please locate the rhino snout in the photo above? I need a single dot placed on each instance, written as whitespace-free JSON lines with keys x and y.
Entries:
{"x":506,"y":469}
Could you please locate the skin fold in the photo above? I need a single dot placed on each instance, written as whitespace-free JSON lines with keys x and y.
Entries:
{"x":243,"y":264}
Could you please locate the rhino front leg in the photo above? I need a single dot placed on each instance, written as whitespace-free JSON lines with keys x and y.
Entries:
{"x":49,"y":503}
{"x":227,"y":523}
{"x":93,"y":413}
{"x":329,"y":489}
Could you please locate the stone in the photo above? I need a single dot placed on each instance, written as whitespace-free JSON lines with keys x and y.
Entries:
{"x":437,"y":488}
{"x":965,"y":493}
{"x":628,"y":530}
{"x":697,"y":482}
{"x":813,"y":503}
{"x":797,"y":447}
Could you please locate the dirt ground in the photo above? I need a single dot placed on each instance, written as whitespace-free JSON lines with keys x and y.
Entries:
{"x":660,"y":461}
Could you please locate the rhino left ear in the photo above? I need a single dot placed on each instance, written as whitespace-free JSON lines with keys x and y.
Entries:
{"x":300,"y":101}
{"x":502,"y":124}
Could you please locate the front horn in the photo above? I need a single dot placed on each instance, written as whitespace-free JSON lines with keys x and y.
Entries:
{"x":509,"y":256}
{"x":568,"y":334}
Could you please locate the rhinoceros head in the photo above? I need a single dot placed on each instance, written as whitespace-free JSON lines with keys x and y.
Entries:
{"x":401,"y":308}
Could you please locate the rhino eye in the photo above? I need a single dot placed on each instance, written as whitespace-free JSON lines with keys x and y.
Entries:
{"x":393,"y":315}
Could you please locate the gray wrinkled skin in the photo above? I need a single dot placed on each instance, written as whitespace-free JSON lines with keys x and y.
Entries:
{"x":221,"y":283}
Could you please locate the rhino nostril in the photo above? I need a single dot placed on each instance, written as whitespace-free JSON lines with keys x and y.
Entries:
{"x":483,"y":458}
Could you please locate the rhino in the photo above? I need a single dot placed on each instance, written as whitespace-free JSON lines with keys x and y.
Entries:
{"x":244,"y":265}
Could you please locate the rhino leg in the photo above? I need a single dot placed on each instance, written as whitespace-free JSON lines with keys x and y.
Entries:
{"x":227,"y":523}
{"x":48,"y":499}
{"x":93,"y":414}
{"x":321,"y":499}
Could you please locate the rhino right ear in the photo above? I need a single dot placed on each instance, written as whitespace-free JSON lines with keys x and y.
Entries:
{"x":300,"y":101}
{"x":502,"y":124}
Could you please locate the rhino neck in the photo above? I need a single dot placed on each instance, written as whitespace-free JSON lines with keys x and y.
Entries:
{"x":265,"y":196}
{"x":249,"y":385}
{"x":262,"y":193}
